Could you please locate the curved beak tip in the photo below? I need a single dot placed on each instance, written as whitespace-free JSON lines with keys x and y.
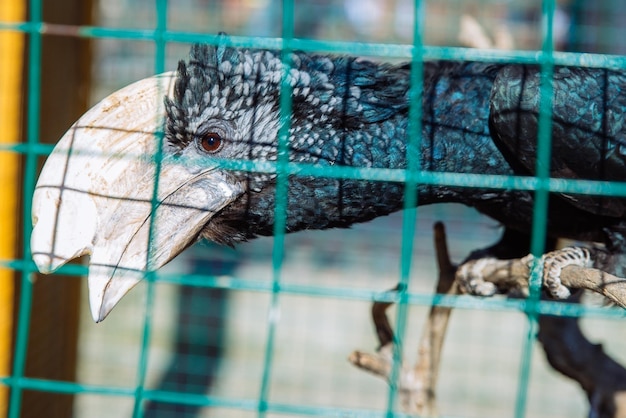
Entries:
{"x":46,"y":263}
{"x":107,"y":286}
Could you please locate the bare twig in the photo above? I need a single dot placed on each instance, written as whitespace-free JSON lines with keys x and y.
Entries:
{"x":416,"y":385}
{"x":473,"y":35}
{"x":431,"y":342}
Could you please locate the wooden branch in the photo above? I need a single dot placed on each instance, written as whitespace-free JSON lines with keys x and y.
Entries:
{"x":567,"y":349}
{"x":433,"y":335}
{"x":416,"y":386}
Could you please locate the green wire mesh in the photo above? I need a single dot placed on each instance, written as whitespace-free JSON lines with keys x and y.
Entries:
{"x":139,"y":392}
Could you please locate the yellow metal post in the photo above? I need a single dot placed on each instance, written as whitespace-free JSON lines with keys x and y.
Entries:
{"x":11,"y":63}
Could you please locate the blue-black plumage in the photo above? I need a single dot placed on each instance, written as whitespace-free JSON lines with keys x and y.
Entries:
{"x":476,"y":118}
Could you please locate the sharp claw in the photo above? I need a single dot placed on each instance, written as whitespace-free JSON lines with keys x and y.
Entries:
{"x":471,"y":279}
{"x":554,"y":262}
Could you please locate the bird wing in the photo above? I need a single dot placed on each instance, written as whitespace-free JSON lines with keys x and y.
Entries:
{"x":588,"y":127}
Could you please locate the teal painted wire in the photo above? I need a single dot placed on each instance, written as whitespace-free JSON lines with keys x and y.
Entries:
{"x":409,"y":214}
{"x":544,"y":138}
{"x":201,"y":400}
{"x":382,"y":50}
{"x":142,"y":368}
{"x":570,"y":186}
{"x":350,"y":293}
{"x":30,"y":149}
{"x":280,"y":209}
{"x":30,"y":169}
{"x":540,"y":209}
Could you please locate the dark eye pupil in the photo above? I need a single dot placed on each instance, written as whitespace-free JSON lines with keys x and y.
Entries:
{"x":211,"y":142}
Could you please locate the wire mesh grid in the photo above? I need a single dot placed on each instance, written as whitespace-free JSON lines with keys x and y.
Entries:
{"x":249,"y":383}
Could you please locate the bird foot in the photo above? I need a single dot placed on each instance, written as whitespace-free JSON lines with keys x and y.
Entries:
{"x":554,"y":262}
{"x":477,"y":277}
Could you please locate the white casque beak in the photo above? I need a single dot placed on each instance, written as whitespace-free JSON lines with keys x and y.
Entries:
{"x":96,"y":195}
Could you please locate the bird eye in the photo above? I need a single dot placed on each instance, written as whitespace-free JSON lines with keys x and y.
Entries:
{"x":211,"y":142}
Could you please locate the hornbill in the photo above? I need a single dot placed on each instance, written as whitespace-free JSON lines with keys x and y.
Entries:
{"x":145,"y":173}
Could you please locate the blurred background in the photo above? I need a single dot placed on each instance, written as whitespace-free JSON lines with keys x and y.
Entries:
{"x":212,"y":340}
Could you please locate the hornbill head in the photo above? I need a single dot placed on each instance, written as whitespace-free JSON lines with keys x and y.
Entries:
{"x":137,"y":179}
